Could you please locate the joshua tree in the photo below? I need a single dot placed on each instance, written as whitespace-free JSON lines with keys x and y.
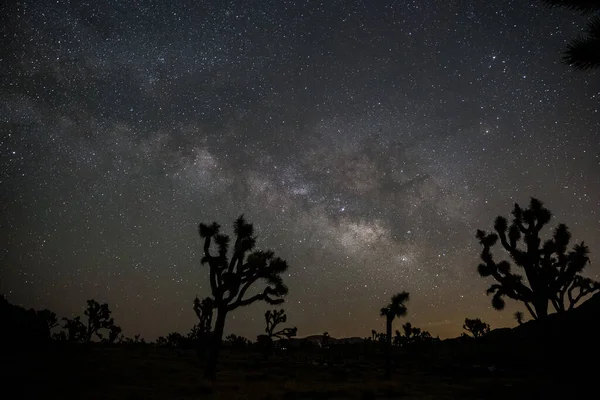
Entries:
{"x":397,"y":308}
{"x":274,"y":318}
{"x":519,"y":317}
{"x":476,"y":327}
{"x":204,"y":312}
{"x":114,"y":333}
{"x":49,"y":317}
{"x":583,"y":52}
{"x":230,"y":279}
{"x":98,"y":318}
{"x":76,"y":331}
{"x":325,"y":339}
{"x":552,"y":272}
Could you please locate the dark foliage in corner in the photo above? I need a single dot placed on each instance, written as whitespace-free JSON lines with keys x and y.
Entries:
{"x":552,"y":272}
{"x":583,"y":52}
{"x":230,"y":279}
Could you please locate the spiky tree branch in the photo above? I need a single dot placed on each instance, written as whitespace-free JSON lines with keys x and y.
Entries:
{"x":552,"y":272}
{"x":583,"y":52}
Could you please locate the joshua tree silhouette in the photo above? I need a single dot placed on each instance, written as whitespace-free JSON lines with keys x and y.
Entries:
{"x":274,"y":318}
{"x":476,"y":327}
{"x":396,"y":308}
{"x":583,"y":52}
{"x":200,"y":334}
{"x":519,"y":317}
{"x":230,"y":279}
{"x":114,"y":333}
{"x":553,"y":273}
{"x":76,"y":331}
{"x":98,"y":318}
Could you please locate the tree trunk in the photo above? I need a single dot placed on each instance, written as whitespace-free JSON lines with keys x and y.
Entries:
{"x":388,"y":353}
{"x":215,"y":348}
{"x":541,"y":307}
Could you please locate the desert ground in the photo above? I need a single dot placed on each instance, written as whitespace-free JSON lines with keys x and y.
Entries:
{"x":129,"y":372}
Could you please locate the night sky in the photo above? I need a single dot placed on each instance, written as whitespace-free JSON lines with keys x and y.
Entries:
{"x":366,"y":141}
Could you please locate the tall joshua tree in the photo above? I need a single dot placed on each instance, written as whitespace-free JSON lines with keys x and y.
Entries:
{"x":552,"y":272}
{"x":397,"y":308}
{"x":231,"y":278}
{"x":583,"y":52}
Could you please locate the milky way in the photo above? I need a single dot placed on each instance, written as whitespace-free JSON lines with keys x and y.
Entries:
{"x":367,"y":141}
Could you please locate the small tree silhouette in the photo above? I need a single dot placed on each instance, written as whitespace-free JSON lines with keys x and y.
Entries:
{"x":204,"y":312}
{"x":274,"y":318}
{"x":114,"y":333}
{"x":49,"y":317}
{"x":76,"y":331}
{"x":583,"y":52}
{"x":519,"y":317}
{"x":397,"y":308}
{"x":230,"y":279}
{"x":551,"y":271}
{"x":325,"y":339}
{"x":476,"y":327}
{"x":98,"y":318}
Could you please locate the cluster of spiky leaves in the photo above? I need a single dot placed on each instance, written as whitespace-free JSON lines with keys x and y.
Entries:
{"x":274,"y":318}
{"x":476,"y":327}
{"x":397,"y":307}
{"x":230,"y":279}
{"x":583,"y":52}
{"x":552,"y":272}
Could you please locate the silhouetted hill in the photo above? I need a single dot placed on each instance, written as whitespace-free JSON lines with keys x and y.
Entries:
{"x":552,"y":345}
{"x":21,"y":326}
{"x":317,"y":339}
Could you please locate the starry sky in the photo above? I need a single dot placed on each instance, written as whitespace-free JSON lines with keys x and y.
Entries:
{"x":366,"y":140}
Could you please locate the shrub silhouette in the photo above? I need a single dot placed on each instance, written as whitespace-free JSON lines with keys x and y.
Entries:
{"x":230,"y":279}
{"x":583,"y":52}
{"x":412,"y":335}
{"x":237,"y":342}
{"x":476,"y":327}
{"x":396,"y":308}
{"x":553,"y":273}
